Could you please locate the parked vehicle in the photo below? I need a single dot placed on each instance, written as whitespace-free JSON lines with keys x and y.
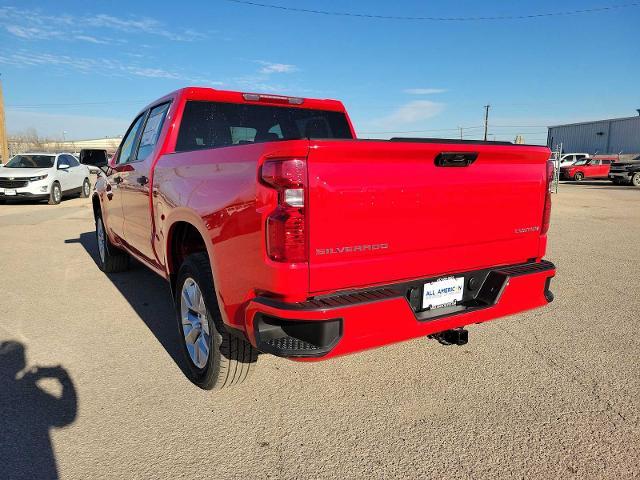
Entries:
{"x":91,"y":157}
{"x":567,"y":159}
{"x":43,"y":176}
{"x":279,"y":231}
{"x":593,"y":168}
{"x":626,"y":173}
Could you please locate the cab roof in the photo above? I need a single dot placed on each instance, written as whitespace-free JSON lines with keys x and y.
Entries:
{"x":229,"y":96}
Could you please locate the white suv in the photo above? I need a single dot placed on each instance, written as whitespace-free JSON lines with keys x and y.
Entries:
{"x":43,"y":175}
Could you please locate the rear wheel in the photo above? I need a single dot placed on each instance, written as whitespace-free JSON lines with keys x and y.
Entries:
{"x":215,"y":358}
{"x":110,"y":258}
{"x":55,"y":195}
{"x":635,"y":180}
{"x":86,"y":188}
{"x":578,"y":176}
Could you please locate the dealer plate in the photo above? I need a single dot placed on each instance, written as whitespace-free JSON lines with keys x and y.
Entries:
{"x":443,"y":292}
{"x":8,"y":191}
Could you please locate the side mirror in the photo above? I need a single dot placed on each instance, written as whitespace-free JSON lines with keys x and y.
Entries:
{"x":64,"y":166}
{"x":94,"y":158}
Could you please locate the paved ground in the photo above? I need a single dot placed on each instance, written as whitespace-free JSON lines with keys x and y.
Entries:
{"x":549,"y":394}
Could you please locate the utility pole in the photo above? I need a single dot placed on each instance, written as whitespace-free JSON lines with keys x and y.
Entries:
{"x":4,"y":146}
{"x":486,"y":120}
{"x":460,"y":133}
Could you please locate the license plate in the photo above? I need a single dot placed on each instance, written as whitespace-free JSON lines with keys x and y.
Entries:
{"x":442,"y":293}
{"x":9,"y":191}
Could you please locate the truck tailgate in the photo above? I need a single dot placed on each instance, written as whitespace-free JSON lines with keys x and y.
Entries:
{"x":383,"y":211}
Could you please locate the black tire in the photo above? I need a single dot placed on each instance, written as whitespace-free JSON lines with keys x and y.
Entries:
{"x":86,"y":189}
{"x":578,"y":176}
{"x":110,"y":258}
{"x":231,"y":359}
{"x":55,"y":196}
{"x":635,"y":180}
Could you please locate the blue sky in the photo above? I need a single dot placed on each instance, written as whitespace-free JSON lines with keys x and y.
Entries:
{"x":86,"y":68}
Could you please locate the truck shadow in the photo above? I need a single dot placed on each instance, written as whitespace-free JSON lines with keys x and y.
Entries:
{"x":148,"y":295}
{"x":28,"y":412}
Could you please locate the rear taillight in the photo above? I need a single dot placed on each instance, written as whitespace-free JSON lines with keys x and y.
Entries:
{"x":546,"y":216}
{"x":286,"y":225}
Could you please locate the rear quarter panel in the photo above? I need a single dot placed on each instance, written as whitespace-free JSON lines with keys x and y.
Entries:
{"x":218,"y":191}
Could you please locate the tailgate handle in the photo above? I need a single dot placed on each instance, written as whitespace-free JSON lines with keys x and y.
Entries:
{"x":455,"y":159}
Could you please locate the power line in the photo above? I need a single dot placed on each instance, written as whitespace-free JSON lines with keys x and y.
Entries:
{"x":436,"y":19}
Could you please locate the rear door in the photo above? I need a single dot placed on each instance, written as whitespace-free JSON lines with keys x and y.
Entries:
{"x":78,"y":173}
{"x":594,"y":169}
{"x":385,"y":211}
{"x":606,"y":166}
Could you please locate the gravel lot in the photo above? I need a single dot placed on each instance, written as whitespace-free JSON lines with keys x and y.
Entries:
{"x":554,"y":393}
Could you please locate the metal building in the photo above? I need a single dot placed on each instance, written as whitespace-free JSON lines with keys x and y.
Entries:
{"x":613,"y":136}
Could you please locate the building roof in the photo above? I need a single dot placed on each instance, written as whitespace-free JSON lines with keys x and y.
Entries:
{"x":107,"y":143}
{"x":595,"y":121}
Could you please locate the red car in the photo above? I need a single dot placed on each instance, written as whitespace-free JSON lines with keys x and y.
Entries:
{"x":278,"y":231}
{"x":595,"y":168}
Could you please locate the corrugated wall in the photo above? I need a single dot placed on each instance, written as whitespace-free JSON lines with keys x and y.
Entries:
{"x":625,"y":136}
{"x":607,"y":136}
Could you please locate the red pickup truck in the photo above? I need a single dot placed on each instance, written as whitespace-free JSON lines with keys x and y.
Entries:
{"x":280,"y":232}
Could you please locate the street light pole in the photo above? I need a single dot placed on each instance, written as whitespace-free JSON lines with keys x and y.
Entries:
{"x":4,"y":144}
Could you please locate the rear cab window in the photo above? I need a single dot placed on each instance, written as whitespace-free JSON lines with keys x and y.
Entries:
{"x":215,"y":124}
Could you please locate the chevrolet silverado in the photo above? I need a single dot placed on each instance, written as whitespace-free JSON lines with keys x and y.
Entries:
{"x":280,"y":232}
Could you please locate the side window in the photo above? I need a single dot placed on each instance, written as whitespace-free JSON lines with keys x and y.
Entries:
{"x":152,"y":131}
{"x":129,"y":141}
{"x":606,"y":162}
{"x":62,"y":160}
{"x":595,"y":162}
{"x":72,"y":161}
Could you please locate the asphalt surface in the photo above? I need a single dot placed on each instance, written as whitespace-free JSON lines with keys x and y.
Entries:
{"x":553,"y":393}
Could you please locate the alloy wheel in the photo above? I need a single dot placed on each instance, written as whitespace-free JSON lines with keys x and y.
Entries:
{"x":195,"y":323}
{"x":101,"y":240}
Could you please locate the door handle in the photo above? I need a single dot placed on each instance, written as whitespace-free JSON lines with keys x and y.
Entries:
{"x":142,"y":180}
{"x":455,"y":159}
